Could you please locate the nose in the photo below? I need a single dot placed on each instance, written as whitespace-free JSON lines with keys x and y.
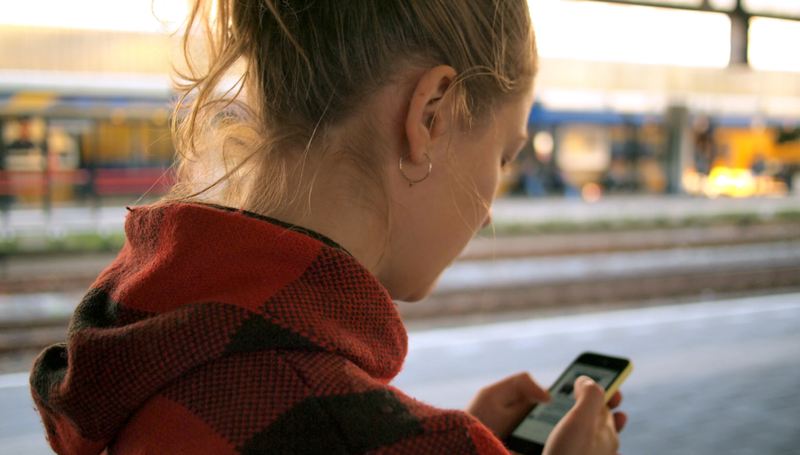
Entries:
{"x":488,"y":220}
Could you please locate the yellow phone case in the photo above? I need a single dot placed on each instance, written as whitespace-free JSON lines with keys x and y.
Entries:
{"x":620,"y":379}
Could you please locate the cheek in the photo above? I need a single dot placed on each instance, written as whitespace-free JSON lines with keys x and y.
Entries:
{"x":474,"y":201}
{"x":480,"y":170}
{"x":491,"y":184}
{"x":487,"y":180}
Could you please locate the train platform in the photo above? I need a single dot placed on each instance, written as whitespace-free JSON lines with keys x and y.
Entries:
{"x":637,"y":208}
{"x":58,"y":222}
{"x":709,"y":377}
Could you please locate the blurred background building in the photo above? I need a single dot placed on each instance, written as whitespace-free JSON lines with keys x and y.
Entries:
{"x":84,"y":100}
{"x":697,"y":96}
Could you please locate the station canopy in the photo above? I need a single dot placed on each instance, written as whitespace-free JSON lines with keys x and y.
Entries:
{"x":787,"y":8}
{"x":606,"y":55}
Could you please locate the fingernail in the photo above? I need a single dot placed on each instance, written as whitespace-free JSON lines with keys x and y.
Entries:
{"x":586,"y":379}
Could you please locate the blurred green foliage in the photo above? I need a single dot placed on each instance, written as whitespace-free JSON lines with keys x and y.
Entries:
{"x":73,"y":243}
{"x":573,"y":227}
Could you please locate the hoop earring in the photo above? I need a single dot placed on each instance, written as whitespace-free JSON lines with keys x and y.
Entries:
{"x":411,"y":182}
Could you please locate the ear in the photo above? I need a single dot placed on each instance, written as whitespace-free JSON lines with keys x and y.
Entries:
{"x":426,"y":118}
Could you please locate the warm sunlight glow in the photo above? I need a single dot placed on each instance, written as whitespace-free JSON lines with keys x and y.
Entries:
{"x":123,"y":15}
{"x":773,"y":44}
{"x":623,"y":33}
{"x":774,"y":7}
{"x":565,"y":29}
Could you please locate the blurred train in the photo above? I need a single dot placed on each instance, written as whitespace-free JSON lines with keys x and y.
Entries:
{"x":590,"y":153}
{"x":63,"y":146}
{"x":67,"y":145}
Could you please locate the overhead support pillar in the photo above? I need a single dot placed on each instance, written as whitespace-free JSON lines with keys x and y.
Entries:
{"x":680,"y":151}
{"x":740,"y":36}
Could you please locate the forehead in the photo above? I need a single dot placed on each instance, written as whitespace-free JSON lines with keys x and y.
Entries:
{"x":513,"y":113}
{"x":523,"y":102}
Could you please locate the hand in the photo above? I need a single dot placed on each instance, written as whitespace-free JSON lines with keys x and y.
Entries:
{"x":589,"y":427}
{"x":501,"y":406}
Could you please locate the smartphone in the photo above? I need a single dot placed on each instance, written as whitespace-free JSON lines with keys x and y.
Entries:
{"x":529,"y":436}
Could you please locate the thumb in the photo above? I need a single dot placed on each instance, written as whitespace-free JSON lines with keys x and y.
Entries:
{"x":589,"y":396}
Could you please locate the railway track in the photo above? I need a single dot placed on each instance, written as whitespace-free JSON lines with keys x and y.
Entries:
{"x":32,"y":335}
{"x":768,"y":259}
{"x":607,"y":293}
{"x":487,"y":247}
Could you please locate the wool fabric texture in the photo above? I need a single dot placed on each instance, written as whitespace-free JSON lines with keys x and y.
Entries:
{"x":217,"y":331}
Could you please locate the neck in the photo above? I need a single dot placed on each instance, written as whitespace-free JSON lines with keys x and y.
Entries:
{"x":331,"y":200}
{"x":340,"y":188}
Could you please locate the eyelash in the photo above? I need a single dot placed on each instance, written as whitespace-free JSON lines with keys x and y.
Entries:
{"x":504,"y":162}
{"x":504,"y":165}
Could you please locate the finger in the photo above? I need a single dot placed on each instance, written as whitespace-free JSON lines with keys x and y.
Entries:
{"x":615,"y":400}
{"x":517,"y":389}
{"x":611,"y":422}
{"x":589,"y":396}
{"x":620,"y":419}
{"x":529,"y":390}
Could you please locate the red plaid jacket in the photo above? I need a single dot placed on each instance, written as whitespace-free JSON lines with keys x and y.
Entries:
{"x":223,"y":332}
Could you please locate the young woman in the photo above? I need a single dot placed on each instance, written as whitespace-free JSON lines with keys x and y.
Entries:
{"x":252,"y":311}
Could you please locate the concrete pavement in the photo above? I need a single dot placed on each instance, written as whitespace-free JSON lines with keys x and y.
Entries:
{"x":710,"y":378}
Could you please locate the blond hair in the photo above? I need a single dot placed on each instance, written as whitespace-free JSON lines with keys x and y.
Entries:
{"x":304,"y":66}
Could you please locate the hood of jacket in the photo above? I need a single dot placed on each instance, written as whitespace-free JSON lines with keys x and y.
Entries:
{"x":194,"y":283}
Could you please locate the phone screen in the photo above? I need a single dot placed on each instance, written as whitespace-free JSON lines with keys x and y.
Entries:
{"x":538,"y":424}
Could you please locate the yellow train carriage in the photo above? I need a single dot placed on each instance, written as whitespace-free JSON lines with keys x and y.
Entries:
{"x":749,"y":161}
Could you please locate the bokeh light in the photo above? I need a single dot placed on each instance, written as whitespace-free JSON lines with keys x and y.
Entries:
{"x":543,"y":146}
{"x":591,"y":192}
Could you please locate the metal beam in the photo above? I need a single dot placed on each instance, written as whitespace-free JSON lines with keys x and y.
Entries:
{"x":740,"y":35}
{"x":705,"y":7}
